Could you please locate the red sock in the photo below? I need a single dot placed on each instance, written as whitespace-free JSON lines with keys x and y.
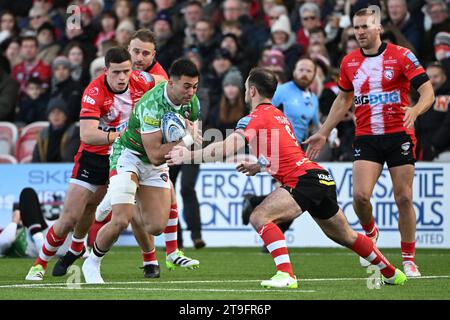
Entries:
{"x":365,"y":248}
{"x":51,"y":245}
{"x":76,"y":246}
{"x":170,"y":232}
{"x":149,"y":257}
{"x":96,"y":226}
{"x":408,"y":251}
{"x":370,"y":228}
{"x":275,"y":242}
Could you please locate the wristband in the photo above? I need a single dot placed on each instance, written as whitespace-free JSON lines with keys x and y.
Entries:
{"x":188,"y":140}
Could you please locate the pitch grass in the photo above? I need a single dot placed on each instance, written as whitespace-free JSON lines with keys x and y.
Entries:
{"x":233,"y":274}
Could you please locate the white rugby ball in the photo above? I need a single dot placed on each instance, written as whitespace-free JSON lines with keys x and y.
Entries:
{"x":173,"y":127}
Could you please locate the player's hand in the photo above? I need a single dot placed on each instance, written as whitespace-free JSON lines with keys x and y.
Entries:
{"x":410,"y":117}
{"x":249,"y":169}
{"x":198,"y":139}
{"x":190,"y":129}
{"x":315,"y":145}
{"x":178,"y":155}
{"x":16,"y":216}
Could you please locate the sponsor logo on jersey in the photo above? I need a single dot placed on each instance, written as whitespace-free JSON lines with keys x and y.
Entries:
{"x":151,"y":121}
{"x":378,"y":98}
{"x":146,"y":76}
{"x":357,"y":153}
{"x":282,"y":119}
{"x":88,"y":99}
{"x":413,"y":59}
{"x":326,"y":177}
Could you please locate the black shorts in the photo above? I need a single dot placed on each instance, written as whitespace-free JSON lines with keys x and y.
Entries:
{"x":315,"y":192}
{"x":395,"y":149}
{"x":91,"y":168}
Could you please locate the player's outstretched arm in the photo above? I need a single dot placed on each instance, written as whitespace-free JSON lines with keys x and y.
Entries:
{"x":424,"y":103}
{"x":92,"y":135}
{"x":337,"y":113}
{"x":214,"y":152}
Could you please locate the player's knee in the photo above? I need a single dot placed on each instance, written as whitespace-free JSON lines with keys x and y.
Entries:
{"x":258,"y":219}
{"x":120,"y":223}
{"x":403,"y":200}
{"x":361,"y":198}
{"x":154,"y":229}
{"x":67,"y":223}
{"x":122,"y":189}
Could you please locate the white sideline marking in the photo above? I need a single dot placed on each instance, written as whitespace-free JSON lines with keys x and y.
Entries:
{"x":64,"y":284}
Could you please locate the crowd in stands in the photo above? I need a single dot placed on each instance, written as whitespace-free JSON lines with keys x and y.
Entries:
{"x":46,"y":62}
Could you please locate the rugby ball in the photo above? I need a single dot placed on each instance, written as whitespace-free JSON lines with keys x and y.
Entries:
{"x":173,"y":127}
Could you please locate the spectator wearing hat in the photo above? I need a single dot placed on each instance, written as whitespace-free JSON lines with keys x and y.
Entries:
{"x":172,"y":8}
{"x":31,"y":66}
{"x":220,"y":65}
{"x":58,"y":142}
{"x":442,"y":49}
{"x":283,"y":39}
{"x":48,"y":47}
{"x":124,"y":31}
{"x":34,"y":103}
{"x":67,"y":88}
{"x":433,"y":127}
{"x":231,"y":108}
{"x":97,"y":67}
{"x":438,"y":11}
{"x":170,"y":46}
{"x":273,"y":60}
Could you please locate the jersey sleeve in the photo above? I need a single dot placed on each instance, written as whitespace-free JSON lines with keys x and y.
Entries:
{"x":248,"y":125}
{"x":91,"y":103}
{"x":411,"y":65}
{"x":344,"y":83}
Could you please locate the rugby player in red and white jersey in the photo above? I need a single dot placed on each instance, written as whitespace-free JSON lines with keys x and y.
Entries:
{"x":142,"y":49}
{"x":105,"y":108}
{"x":305,"y":185}
{"x":377,"y":78}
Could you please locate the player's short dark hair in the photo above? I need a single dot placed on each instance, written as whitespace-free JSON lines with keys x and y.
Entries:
{"x":183,"y":67}
{"x":264,"y":80}
{"x":116,"y":55}
{"x":144,"y":35}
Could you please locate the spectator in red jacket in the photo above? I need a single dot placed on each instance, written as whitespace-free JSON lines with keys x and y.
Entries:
{"x":31,"y":66}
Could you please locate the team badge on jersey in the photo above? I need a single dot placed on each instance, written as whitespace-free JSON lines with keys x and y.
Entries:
{"x":388,"y":74}
{"x":93,"y":91}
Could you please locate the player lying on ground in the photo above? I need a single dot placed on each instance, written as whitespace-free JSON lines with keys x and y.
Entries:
{"x":306,"y":186}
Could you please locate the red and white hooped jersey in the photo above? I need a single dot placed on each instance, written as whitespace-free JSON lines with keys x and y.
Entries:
{"x":112,"y":110}
{"x":381,"y":84}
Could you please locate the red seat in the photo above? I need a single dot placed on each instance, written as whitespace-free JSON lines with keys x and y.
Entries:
{"x":27,"y":140}
{"x":8,"y":137}
{"x":7,"y":158}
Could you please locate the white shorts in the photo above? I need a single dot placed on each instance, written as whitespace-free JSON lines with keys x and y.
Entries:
{"x":148,"y":174}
